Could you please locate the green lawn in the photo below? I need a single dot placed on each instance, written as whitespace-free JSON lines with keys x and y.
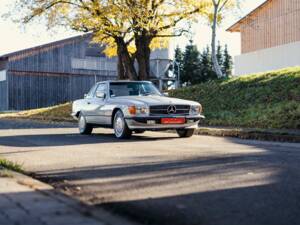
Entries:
{"x":267,"y":100}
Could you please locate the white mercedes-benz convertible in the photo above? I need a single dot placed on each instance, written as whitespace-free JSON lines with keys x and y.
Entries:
{"x":134,"y":106}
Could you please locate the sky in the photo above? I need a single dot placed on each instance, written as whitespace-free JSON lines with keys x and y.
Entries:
{"x":14,"y":36}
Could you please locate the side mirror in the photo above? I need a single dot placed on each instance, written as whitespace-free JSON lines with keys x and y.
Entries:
{"x":85,"y":95}
{"x":100,"y":94}
{"x":166,"y":94}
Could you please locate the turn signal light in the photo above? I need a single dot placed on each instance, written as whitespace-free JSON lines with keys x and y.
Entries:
{"x":132,"y":110}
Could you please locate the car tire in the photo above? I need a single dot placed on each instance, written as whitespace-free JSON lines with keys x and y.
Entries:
{"x":121,"y":129}
{"x":185,"y":133}
{"x":84,"y":127}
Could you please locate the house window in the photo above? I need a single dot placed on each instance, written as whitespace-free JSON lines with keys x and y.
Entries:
{"x":3,"y":75}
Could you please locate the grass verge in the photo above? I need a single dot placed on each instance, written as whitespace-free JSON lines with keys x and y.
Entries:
{"x":252,"y":133}
{"x":6,"y":164}
{"x":266,"y":100}
{"x":59,"y":113}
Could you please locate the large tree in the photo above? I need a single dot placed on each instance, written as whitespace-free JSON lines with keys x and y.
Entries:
{"x":128,"y":28}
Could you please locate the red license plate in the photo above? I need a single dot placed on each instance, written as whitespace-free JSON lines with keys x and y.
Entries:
{"x":173,"y":120}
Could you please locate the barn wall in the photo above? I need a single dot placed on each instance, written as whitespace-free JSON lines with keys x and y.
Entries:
{"x":275,"y":24}
{"x":3,"y":64}
{"x":33,"y":90}
{"x":3,"y":96}
{"x":3,"y":86}
{"x":47,"y":76}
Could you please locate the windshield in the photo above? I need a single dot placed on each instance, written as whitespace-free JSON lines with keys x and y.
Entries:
{"x":132,"y":89}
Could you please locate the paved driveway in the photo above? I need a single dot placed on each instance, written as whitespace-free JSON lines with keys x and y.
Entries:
{"x":157,"y":178}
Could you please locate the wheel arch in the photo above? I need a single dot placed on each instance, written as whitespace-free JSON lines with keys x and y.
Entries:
{"x":113,"y":115}
{"x":77,"y":114}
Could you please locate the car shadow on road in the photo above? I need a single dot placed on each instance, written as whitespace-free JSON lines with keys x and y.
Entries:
{"x":257,"y":187}
{"x":51,"y":140}
{"x":30,"y":124}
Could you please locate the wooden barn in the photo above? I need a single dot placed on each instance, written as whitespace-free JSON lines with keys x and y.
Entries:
{"x":52,"y":73}
{"x":270,"y":37}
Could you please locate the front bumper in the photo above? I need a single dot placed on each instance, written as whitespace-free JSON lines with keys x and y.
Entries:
{"x":142,"y":123}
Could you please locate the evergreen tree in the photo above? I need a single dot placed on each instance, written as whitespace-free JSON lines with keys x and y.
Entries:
{"x":207,"y":72}
{"x":191,"y":65}
{"x":227,"y":62}
{"x":219,"y":54}
{"x":196,"y":67}
{"x":178,"y":58}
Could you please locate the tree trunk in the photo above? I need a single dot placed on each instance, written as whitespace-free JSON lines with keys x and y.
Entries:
{"x":121,"y":71}
{"x":126,"y":69}
{"x":143,"y":56}
{"x":215,"y":62}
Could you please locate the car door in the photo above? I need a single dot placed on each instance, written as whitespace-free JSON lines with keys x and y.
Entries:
{"x":85,"y":103}
{"x":95,"y":113}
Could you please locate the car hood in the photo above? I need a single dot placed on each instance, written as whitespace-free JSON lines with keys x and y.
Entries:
{"x":153,"y":100}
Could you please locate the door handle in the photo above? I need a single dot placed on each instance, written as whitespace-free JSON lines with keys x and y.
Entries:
{"x":88,"y":103}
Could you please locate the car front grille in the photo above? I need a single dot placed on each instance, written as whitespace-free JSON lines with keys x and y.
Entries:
{"x":163,"y":110}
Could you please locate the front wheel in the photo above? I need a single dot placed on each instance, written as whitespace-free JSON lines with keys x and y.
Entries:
{"x":84,"y":127}
{"x":120,"y":127}
{"x":185,"y":133}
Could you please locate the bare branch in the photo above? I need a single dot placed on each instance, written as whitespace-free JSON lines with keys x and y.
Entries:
{"x":223,"y":5}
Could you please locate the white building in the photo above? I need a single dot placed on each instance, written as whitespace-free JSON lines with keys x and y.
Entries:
{"x":270,"y":37}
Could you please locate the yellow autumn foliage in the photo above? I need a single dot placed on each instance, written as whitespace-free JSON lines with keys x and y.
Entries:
{"x":112,"y":19}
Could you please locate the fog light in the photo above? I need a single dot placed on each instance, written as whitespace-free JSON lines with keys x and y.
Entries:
{"x":151,"y":122}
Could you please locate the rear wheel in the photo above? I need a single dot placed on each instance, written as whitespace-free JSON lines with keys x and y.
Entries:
{"x":84,"y":127}
{"x":120,"y":127}
{"x":185,"y":133}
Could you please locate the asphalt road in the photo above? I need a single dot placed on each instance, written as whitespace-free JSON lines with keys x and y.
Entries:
{"x":157,"y":178}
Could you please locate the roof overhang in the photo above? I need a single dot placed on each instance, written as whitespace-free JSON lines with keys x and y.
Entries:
{"x":3,"y":58}
{"x":237,"y":26}
{"x":45,"y":46}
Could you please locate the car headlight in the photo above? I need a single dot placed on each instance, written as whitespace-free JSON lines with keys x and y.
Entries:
{"x":142,"y":110}
{"x":196,"y":109}
{"x":138,"y":110}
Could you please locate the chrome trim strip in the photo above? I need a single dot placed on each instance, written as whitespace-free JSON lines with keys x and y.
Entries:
{"x":132,"y":124}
